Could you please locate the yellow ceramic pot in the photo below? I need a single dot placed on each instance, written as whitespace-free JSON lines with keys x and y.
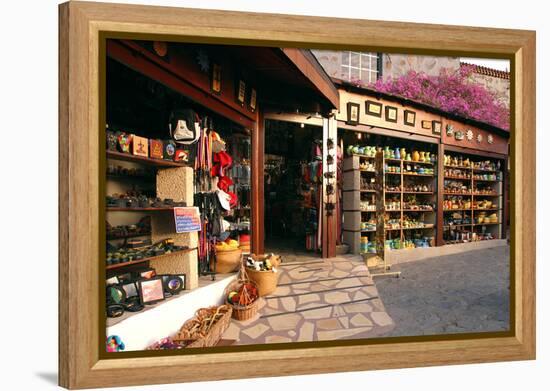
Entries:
{"x":415,"y":156}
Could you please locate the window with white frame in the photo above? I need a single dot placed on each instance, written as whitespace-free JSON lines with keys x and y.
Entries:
{"x":360,"y":67}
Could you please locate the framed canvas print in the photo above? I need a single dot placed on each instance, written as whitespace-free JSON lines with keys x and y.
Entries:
{"x":311,"y":218}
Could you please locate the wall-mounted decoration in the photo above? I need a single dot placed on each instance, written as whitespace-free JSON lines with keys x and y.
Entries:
{"x":436,"y":127}
{"x":353,"y":113}
{"x":479,"y":137}
{"x":391,"y":114}
{"x":373,"y":108}
{"x":426,"y":124}
{"x":252,"y":100}
{"x":240,"y":91}
{"x":490,"y":139}
{"x":409,"y":117}
{"x":469,"y":135}
{"x":216,"y":78}
{"x":459,"y":135}
{"x":449,"y":129}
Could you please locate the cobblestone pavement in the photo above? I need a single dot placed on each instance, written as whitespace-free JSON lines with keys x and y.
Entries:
{"x":316,"y":300}
{"x":467,"y":292}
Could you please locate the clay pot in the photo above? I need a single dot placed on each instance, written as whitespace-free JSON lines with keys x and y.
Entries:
{"x":415,"y":156}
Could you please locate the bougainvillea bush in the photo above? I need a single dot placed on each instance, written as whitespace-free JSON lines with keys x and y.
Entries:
{"x":453,"y":92}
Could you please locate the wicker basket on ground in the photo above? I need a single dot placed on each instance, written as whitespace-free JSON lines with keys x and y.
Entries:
{"x":248,"y":297}
{"x":275,"y":259}
{"x":206,"y":328}
{"x":228,"y":261}
{"x":266,"y":280}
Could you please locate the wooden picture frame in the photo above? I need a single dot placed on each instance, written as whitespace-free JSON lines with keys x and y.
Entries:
{"x":390,"y":114}
{"x":240,"y":92}
{"x":83,"y":29}
{"x":409,"y":117}
{"x":216,"y":78}
{"x":373,"y":108}
{"x":353,"y":113}
{"x":436,"y":127}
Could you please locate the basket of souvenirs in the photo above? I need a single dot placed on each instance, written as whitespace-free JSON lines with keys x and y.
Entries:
{"x":205,"y":329}
{"x":264,"y":274}
{"x":228,"y":256}
{"x":243,"y":296}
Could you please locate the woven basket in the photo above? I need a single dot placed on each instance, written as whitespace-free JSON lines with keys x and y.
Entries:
{"x":206,"y":328}
{"x":266,"y":280}
{"x":241,"y":312}
{"x":228,"y":261}
{"x":275,"y":260}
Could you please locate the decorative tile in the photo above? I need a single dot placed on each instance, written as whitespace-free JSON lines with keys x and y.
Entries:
{"x":255,"y":331}
{"x":335,"y":297}
{"x":359,"y":320}
{"x":331,"y":335}
{"x":277,"y":339}
{"x":344,"y":321}
{"x":304,"y":299}
{"x":357,"y":307}
{"x":289,"y":303}
{"x":381,"y":318}
{"x":306,"y":332}
{"x":318,"y":313}
{"x":328,"y":324}
{"x":284,"y":322}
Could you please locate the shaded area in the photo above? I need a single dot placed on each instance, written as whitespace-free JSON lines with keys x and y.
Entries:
{"x":467,"y":292}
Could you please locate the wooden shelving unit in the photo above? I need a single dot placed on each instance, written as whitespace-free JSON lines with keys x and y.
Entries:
{"x":129,"y":209}
{"x":124,"y":264}
{"x":470,"y":214}
{"x":354,"y":194}
{"x":115,"y":155}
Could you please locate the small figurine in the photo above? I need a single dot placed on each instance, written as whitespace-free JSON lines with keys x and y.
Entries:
{"x":114,"y":344}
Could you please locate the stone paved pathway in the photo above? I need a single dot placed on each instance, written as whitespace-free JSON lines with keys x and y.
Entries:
{"x":467,"y":292}
{"x":317,"y":300}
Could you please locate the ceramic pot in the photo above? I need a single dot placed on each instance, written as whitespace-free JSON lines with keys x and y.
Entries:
{"x":415,"y":156}
{"x":387,"y":153}
{"x":397,"y":154}
{"x":403,"y":153}
{"x":422,"y":157}
{"x":409,"y":158}
{"x":427,"y":158}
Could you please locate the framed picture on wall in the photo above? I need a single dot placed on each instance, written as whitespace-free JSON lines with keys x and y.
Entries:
{"x":208,"y":324}
{"x":391,"y":113}
{"x":373,"y":108}
{"x":409,"y":117}
{"x":353,"y":110}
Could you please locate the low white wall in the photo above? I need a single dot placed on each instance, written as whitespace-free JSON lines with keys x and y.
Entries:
{"x":144,"y":328}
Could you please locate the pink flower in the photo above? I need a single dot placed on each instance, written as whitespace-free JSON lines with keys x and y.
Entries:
{"x":453,"y":92}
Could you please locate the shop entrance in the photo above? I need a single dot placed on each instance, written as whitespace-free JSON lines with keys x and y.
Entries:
{"x":293,"y":178}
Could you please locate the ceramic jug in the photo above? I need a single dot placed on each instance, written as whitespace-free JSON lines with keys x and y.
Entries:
{"x":403,"y":153}
{"x":387,"y":153}
{"x":415,"y":156}
{"x":397,"y":154}
{"x":427,"y":158}
{"x":409,"y":158}
{"x":422,"y":157}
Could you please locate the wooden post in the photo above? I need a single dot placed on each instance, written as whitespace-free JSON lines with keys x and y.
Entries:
{"x":257,"y":184}
{"x":440,"y":191}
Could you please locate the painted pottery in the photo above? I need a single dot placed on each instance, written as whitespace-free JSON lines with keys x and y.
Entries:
{"x":397,"y":154}
{"x":415,"y":156}
{"x":422,"y":156}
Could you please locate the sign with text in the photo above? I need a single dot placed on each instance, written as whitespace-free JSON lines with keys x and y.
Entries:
{"x":187,"y":219}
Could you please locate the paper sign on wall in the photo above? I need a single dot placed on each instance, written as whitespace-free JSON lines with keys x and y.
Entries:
{"x":187,"y":219}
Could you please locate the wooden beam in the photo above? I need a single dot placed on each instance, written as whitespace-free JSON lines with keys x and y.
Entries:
{"x":257,"y":184}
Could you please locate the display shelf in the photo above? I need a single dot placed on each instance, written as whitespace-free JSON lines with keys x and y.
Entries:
{"x":392,"y":173}
{"x":122,"y":237}
{"x":365,"y":170}
{"x":459,"y":167}
{"x":482,"y":209}
{"x":427,"y":226}
{"x":392,"y":192}
{"x":456,"y":178}
{"x":483,"y":170}
{"x":128,"y":209}
{"x":363,"y":156}
{"x":118,"y":177}
{"x":415,"y":174}
{"x":487,"y":180}
{"x":457,"y":210}
{"x":416,"y":192}
{"x":114,"y":155}
{"x":419,"y":210}
{"x":487,"y":195}
{"x":457,"y":225}
{"x":119,"y":265}
{"x":458,"y":194}
{"x":497,"y":223}
{"x":367,"y":191}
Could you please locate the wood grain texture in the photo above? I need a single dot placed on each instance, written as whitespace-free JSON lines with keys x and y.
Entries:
{"x":80,"y":365}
